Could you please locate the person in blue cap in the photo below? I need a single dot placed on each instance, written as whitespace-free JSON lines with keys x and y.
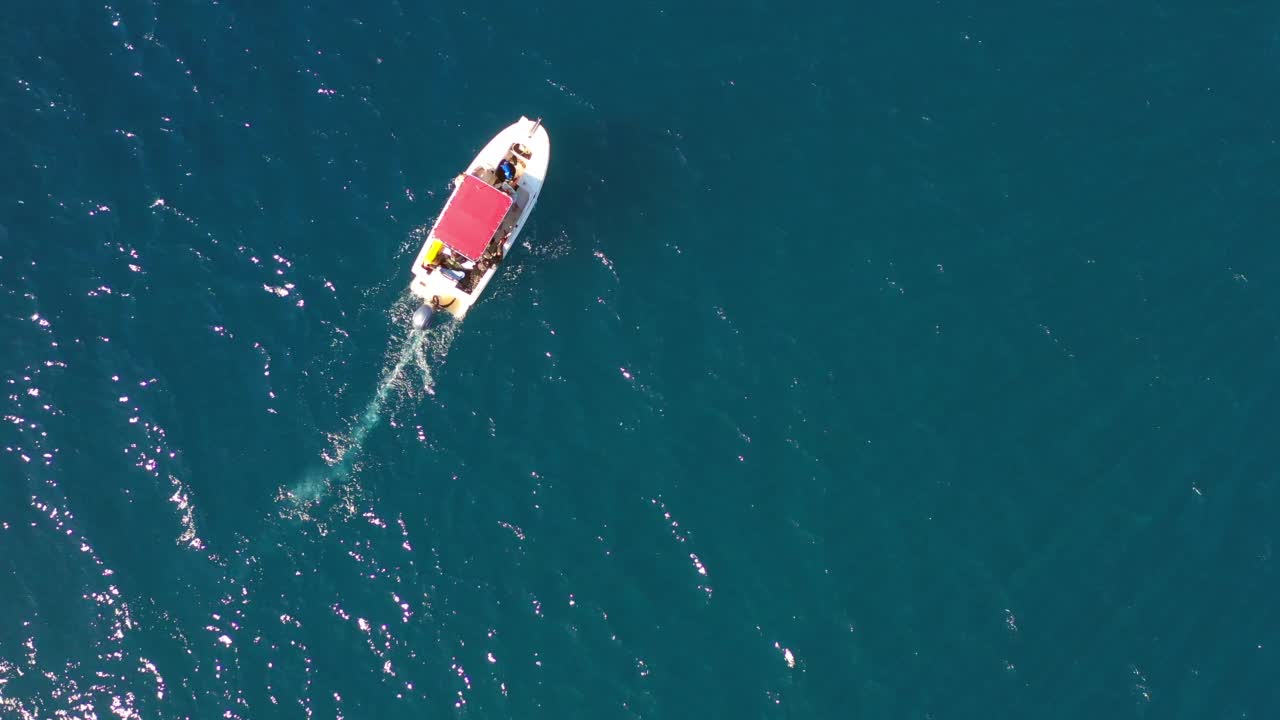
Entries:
{"x":507,"y":170}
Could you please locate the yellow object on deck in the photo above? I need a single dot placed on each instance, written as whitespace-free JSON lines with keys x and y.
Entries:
{"x":433,"y":249}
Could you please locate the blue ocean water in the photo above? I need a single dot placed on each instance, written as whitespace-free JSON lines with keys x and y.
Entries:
{"x":898,"y":360}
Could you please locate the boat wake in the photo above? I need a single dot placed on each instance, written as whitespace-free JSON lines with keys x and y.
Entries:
{"x":417,"y":351}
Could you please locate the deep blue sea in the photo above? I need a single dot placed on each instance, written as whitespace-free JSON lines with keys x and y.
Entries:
{"x":860,"y":360}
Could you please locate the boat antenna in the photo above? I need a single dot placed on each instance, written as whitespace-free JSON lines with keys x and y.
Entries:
{"x":537,"y":124}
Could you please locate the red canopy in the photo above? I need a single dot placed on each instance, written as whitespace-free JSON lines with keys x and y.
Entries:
{"x":472,"y":216}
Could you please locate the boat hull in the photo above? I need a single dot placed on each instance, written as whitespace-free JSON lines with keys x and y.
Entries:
{"x":433,"y":285}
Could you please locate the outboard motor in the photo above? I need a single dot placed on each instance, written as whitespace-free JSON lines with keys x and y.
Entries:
{"x":422,"y":317}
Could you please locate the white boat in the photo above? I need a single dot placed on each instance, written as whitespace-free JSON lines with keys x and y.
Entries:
{"x":478,"y":226}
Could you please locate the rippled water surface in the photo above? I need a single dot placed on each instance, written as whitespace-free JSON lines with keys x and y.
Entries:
{"x":906,"y":360}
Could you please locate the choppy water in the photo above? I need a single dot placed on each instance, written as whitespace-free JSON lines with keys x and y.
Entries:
{"x":903,"y":360}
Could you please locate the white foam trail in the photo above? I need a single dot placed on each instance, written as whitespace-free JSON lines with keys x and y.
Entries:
{"x":316,"y":481}
{"x":369,"y":419}
{"x":423,"y":349}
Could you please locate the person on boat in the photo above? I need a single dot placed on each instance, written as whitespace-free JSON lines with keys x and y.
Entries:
{"x":507,"y":170}
{"x":447,"y":259}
